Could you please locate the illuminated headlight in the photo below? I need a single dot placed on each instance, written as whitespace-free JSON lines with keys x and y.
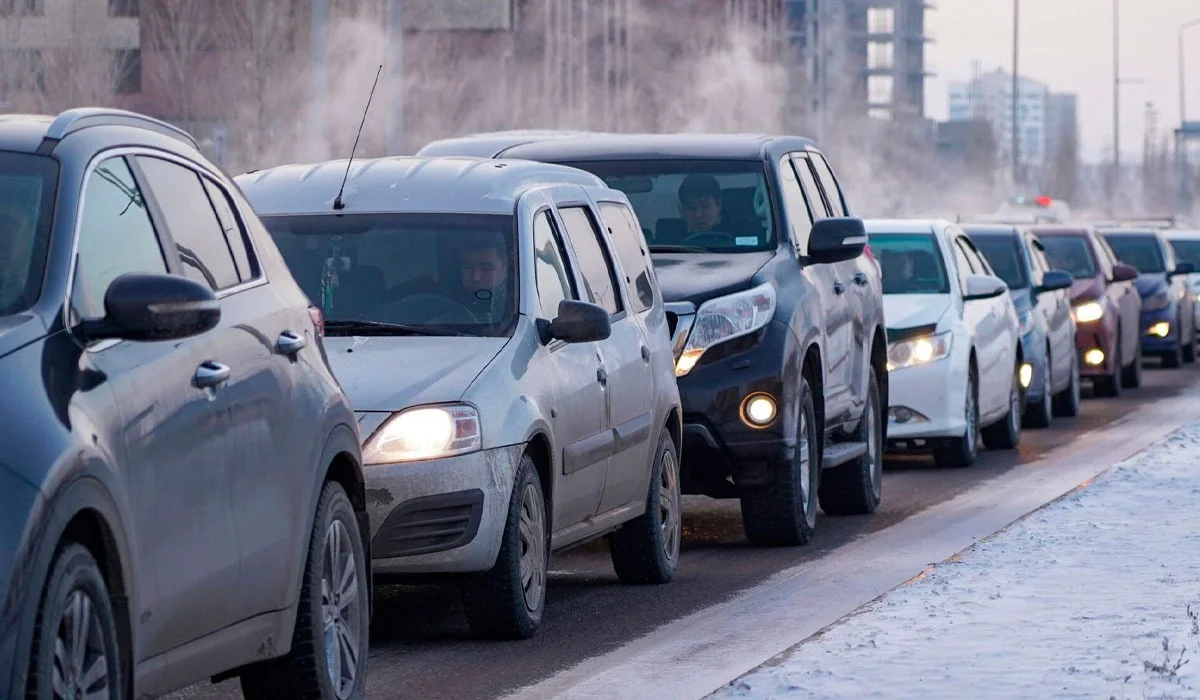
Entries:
{"x":1026,"y":375}
{"x":1161,"y":329}
{"x":1157,"y":301}
{"x":725,"y":318}
{"x":918,"y":351}
{"x":1196,"y":297}
{"x":424,"y":432}
{"x":1087,"y":312}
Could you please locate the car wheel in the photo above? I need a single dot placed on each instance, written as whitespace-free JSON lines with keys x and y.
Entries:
{"x":1189,"y":350}
{"x":507,"y":601}
{"x":962,"y":451}
{"x":1132,"y":375}
{"x":1066,"y":403}
{"x":1006,"y":434}
{"x":785,"y":512}
{"x":328,"y":659}
{"x":856,"y":488}
{"x":1174,"y":358}
{"x":1110,"y":386}
{"x":646,"y":549}
{"x":1040,"y":414}
{"x":75,"y":652}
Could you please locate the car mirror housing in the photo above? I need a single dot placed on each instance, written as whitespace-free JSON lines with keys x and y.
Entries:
{"x":983,"y":287}
{"x":837,"y":239}
{"x":578,"y":322}
{"x":1055,"y":279}
{"x":151,"y":307}
{"x":1124,"y":273}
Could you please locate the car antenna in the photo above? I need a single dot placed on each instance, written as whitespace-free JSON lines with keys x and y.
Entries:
{"x":338,"y":204}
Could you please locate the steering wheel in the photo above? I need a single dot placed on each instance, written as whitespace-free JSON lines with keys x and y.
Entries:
{"x":718,"y":239}
{"x":437,"y":310}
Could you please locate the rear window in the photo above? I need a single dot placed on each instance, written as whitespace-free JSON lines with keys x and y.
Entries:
{"x":1070,"y":253}
{"x":1143,"y":252}
{"x":27,"y":187}
{"x":911,"y":263}
{"x":1003,"y":253}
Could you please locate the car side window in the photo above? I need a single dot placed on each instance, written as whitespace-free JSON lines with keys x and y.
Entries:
{"x":595,"y":264}
{"x":116,"y":236}
{"x":799,"y":210}
{"x":635,"y":259}
{"x":961,"y":263}
{"x":978,"y":262}
{"x":829,"y":183}
{"x":554,"y":281}
{"x":812,"y":191}
{"x":235,"y":235}
{"x":192,"y":222}
{"x":1106,"y":257}
{"x":1040,"y":264}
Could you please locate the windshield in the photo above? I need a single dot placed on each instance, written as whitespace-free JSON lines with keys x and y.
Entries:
{"x":1004,"y":255}
{"x":1143,"y":252}
{"x":703,"y":206}
{"x":428,"y":273}
{"x":27,"y":185}
{"x":1187,"y":251}
{"x":911,"y":263}
{"x":1070,"y":253}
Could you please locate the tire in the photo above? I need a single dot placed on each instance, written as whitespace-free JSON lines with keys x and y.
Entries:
{"x":75,"y":591}
{"x":1040,"y":414}
{"x":1131,"y":376}
{"x":501,"y":603}
{"x":1189,"y":351}
{"x":962,"y":451}
{"x":1066,"y":402}
{"x":856,"y":488}
{"x":313,"y":670}
{"x":1174,"y":358}
{"x":1006,"y":434}
{"x":1110,"y":386}
{"x":646,"y":549}
{"x":785,"y":512}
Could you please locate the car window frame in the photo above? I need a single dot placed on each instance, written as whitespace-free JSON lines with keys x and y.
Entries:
{"x":956,"y":252}
{"x":614,"y":270}
{"x":644,"y":247}
{"x":787,"y":163}
{"x":803,"y":156}
{"x":239,"y":220}
{"x":972,"y":252}
{"x":1106,"y":257}
{"x":837,"y":186}
{"x":556,"y":228}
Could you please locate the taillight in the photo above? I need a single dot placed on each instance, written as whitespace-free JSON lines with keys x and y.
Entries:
{"x":318,"y":320}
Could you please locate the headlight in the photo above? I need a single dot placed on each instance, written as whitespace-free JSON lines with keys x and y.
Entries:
{"x":1026,"y":322}
{"x":726,"y":318}
{"x":424,"y":432}
{"x":1157,"y":301}
{"x":1087,"y":312}
{"x":918,"y":351}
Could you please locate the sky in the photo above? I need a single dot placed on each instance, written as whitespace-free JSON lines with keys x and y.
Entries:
{"x":1068,"y":44}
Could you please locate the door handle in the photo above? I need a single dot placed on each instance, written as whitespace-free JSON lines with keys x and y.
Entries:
{"x":860,"y":279}
{"x":210,"y":374}
{"x":602,"y":376}
{"x":839,"y":288}
{"x":290,"y":343}
{"x":645,"y":354}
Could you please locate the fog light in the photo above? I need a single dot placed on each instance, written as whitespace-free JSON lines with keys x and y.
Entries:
{"x":1161,"y":329}
{"x":1026,"y":375}
{"x":1094,"y":357}
{"x":758,"y":410}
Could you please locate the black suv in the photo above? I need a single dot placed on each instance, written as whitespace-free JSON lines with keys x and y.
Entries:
{"x":777,"y":316}
{"x":181,"y":491}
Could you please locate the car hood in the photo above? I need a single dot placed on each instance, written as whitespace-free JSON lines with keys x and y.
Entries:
{"x":913,"y":310}
{"x":1148,"y":285}
{"x":698,"y":277}
{"x":392,"y":373}
{"x":1084,"y":289}
{"x":18,"y":331}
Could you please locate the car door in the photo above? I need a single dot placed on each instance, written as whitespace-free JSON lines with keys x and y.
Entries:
{"x":570,"y":374}
{"x":624,"y":359}
{"x":1179,"y":291}
{"x":1056,"y":307}
{"x":174,"y":429}
{"x":977,"y":317}
{"x":1125,"y":299}
{"x":1003,"y":329}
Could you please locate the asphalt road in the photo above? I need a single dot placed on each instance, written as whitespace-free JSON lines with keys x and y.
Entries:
{"x":421,"y":647}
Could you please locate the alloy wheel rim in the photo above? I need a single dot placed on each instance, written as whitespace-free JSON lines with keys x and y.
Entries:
{"x":1014,"y":406}
{"x":805,"y":468}
{"x":341,"y":610}
{"x":972,"y":436}
{"x":670,"y":512}
{"x":873,"y":440}
{"x":81,"y":652}
{"x":532,"y":536}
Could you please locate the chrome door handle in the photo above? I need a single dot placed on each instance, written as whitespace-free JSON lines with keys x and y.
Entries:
{"x":602,"y":376}
{"x":645,"y":354}
{"x":210,"y":374}
{"x":290,"y":343}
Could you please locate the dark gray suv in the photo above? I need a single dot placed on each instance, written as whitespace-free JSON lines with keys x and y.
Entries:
{"x":181,"y":491}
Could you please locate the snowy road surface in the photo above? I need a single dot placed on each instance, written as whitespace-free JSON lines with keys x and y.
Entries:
{"x":1076,"y":600}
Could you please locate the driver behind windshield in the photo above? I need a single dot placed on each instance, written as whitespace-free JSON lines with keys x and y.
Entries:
{"x":700,"y":203}
{"x":483,"y":273}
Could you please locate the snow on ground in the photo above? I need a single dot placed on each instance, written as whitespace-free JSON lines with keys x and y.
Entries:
{"x":1078,"y":600}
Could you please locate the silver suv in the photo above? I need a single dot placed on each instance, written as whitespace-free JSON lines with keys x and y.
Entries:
{"x":499,"y":329}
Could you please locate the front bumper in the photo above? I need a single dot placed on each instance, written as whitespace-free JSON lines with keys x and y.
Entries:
{"x":1154,"y":343}
{"x":1095,"y":336}
{"x":934,"y":393}
{"x":442,"y":515}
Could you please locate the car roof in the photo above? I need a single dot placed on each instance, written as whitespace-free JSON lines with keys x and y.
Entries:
{"x":40,"y":133}
{"x":990,"y":229}
{"x":598,"y":146}
{"x":890,"y":226}
{"x":1059,"y":230}
{"x":23,"y":132}
{"x":404,"y":184}
{"x":1130,"y":231}
{"x":1183,"y":234}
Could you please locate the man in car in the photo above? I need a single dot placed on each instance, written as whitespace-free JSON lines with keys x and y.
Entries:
{"x":700,"y":203}
{"x":483,"y":273}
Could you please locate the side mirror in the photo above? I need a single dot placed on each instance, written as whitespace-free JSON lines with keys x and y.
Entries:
{"x":1056,"y":279}
{"x":579,"y":322}
{"x":1184,"y":268}
{"x":983,"y":287}
{"x":148,"y":307}
{"x":836,"y":240}
{"x":1124,"y":273}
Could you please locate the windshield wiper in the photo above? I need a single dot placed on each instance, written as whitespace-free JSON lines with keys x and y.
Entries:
{"x":677,"y":249}
{"x":382,"y":328}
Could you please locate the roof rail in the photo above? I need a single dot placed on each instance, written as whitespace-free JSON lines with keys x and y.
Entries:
{"x":73,"y":120}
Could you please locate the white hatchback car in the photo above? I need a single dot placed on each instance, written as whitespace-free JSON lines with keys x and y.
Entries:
{"x":955,"y":365}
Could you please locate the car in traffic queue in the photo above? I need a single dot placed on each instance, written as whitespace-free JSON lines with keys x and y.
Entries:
{"x":500,"y":331}
{"x":954,"y":342}
{"x":1105,"y":304}
{"x":1168,"y":321}
{"x":1042,"y":297}
{"x":777,"y":315}
{"x":181,"y":491}
{"x":1186,"y":245}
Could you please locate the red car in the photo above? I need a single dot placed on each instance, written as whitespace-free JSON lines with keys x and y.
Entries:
{"x":1105,"y":304}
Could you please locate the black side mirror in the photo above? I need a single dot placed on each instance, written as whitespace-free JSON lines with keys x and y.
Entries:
{"x":836,"y":240}
{"x":150,"y":307}
{"x":1055,"y":279}
{"x":577,"y":322}
{"x":1184,"y":268}
{"x":1124,"y":273}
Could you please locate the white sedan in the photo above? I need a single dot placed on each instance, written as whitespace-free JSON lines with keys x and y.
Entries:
{"x":955,"y":367}
{"x":1186,"y":244}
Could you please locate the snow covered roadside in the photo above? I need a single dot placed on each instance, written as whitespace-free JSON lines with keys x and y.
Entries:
{"x":1076,"y":600}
